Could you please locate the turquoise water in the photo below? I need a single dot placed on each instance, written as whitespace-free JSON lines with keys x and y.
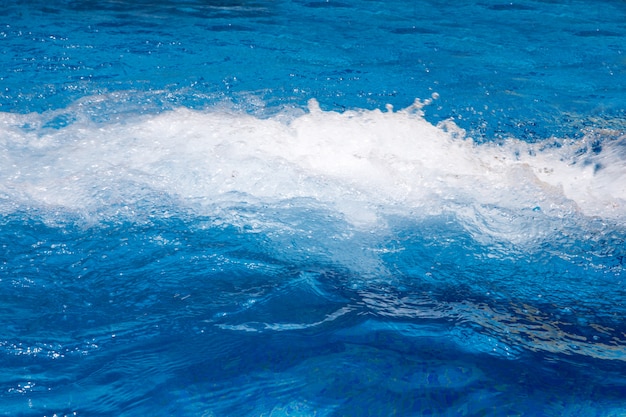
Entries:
{"x":247,"y":208}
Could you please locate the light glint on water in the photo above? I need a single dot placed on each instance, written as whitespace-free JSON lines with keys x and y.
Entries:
{"x":233,"y":208}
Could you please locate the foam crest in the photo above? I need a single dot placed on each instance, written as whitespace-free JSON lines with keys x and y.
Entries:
{"x":363,"y":164}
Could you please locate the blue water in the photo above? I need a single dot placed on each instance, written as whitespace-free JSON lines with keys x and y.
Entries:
{"x":313,"y":208}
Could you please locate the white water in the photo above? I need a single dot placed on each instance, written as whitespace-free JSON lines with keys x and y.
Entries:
{"x":362,"y":164}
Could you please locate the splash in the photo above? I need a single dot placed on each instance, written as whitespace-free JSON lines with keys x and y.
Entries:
{"x":364,"y":165}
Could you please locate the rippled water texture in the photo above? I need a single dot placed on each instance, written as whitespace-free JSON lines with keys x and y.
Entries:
{"x":300,"y":208}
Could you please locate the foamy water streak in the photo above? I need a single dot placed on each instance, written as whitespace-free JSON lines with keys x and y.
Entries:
{"x":360,"y":163}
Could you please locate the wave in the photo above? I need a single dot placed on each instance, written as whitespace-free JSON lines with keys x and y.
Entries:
{"x":517,"y":247}
{"x":363,"y":165}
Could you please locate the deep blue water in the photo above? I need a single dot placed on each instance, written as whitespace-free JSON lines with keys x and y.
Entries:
{"x":313,"y":208}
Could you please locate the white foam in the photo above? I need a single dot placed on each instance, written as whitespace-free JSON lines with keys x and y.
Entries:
{"x":362,"y":164}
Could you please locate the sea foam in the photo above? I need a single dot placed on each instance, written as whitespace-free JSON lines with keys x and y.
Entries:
{"x":362,"y":164}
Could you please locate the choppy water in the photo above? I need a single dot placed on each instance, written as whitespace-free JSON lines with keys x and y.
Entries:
{"x":246,"y":208}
